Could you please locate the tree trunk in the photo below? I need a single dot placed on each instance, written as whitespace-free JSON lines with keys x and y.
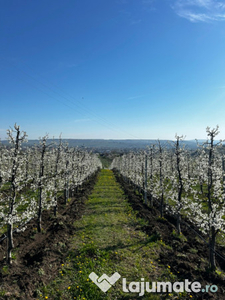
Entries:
{"x":9,"y":243}
{"x":161,"y":205}
{"x":212,"y":245}
{"x":55,"y":209}
{"x":178,"y":223}
{"x":145,"y":195}
{"x":39,"y":211}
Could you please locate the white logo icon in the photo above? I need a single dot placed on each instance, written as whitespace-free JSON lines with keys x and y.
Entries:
{"x":104,"y":282}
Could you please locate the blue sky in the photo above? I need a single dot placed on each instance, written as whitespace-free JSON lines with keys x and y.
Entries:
{"x":118,"y":69}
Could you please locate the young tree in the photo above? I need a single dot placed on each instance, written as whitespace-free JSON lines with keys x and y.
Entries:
{"x":208,"y":209}
{"x":180,"y":184}
{"x":160,"y":186}
{"x":16,"y":181}
{"x":215,"y":193}
{"x":57,"y":176}
{"x":151,"y":171}
{"x":42,"y":183}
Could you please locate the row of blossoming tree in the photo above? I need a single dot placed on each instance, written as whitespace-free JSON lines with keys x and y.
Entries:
{"x":183,"y":182}
{"x":32,"y":178}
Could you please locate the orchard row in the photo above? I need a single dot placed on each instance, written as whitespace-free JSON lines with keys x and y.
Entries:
{"x":189,"y":183}
{"x":33,"y":178}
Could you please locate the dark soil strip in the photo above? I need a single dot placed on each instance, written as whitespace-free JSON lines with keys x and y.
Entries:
{"x":187,"y":256}
{"x":39,"y":255}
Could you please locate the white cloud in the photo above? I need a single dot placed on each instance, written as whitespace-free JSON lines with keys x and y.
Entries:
{"x":200,"y":10}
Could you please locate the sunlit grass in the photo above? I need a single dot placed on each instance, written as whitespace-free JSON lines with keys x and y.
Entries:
{"x":109,"y":239}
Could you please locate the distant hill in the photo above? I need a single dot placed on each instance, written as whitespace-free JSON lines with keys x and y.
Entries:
{"x":110,"y":145}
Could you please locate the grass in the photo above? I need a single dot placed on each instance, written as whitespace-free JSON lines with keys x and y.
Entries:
{"x":105,"y":160}
{"x":109,"y":239}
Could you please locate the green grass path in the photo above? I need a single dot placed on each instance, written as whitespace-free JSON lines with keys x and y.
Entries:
{"x":108,"y":239}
